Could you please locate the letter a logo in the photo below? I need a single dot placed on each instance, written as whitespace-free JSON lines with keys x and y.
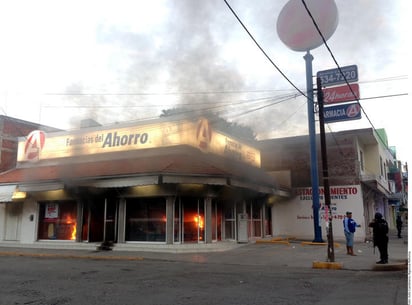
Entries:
{"x":34,"y":145}
{"x":203,"y":134}
{"x":353,"y":111}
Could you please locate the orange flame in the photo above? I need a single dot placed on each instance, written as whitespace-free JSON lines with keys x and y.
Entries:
{"x":74,"y":230}
{"x":71,"y":222}
{"x":199,"y":221}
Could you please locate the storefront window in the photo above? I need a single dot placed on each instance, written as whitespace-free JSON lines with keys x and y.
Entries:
{"x":146,"y":219}
{"x":57,"y":220}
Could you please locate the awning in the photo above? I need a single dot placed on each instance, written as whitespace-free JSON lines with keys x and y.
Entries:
{"x":40,"y":187}
{"x":6,"y":192}
{"x":193,"y":179}
{"x":121,"y":182}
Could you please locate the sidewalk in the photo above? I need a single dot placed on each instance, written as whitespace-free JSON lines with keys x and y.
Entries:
{"x":294,"y":253}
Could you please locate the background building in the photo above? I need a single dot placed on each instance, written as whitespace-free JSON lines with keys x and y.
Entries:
{"x":362,"y":169}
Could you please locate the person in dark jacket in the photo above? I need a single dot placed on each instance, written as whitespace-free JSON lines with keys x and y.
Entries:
{"x":399,"y":225}
{"x":380,"y":236}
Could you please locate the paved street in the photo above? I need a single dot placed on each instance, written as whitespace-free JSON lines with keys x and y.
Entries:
{"x":269,"y":273}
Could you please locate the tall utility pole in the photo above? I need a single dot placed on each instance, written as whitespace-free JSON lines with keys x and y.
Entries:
{"x":313,"y":149}
{"x":325,"y":171}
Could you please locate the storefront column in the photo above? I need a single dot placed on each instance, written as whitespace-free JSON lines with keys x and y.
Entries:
{"x":169,"y":219}
{"x":121,"y":228}
{"x":208,"y":220}
{"x":79,"y":220}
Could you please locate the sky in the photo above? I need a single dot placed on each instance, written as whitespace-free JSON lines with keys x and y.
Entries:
{"x":116,"y":61}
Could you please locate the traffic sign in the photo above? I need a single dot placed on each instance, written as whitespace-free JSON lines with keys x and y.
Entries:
{"x":344,"y":112}
{"x":340,"y":94}
{"x":335,"y":77}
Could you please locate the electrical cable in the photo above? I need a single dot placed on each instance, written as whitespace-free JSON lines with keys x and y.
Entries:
{"x":340,"y":71}
{"x":261,"y":49}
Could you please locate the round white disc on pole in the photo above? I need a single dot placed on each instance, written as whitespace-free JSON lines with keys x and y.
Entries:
{"x":297,"y":30}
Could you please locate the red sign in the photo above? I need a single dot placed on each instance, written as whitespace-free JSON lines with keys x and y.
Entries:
{"x":34,"y":145}
{"x":204,"y":133}
{"x":340,"y":94}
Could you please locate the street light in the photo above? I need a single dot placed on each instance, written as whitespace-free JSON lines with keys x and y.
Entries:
{"x":297,"y":30}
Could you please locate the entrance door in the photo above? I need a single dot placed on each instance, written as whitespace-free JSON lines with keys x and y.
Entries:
{"x":189,"y":220}
{"x":13,"y":220}
{"x":230,"y":222}
{"x":110,"y":221}
{"x":216,"y":221}
{"x":193,"y":220}
{"x":101,"y":219}
{"x":255,"y":219}
{"x":268,"y":221}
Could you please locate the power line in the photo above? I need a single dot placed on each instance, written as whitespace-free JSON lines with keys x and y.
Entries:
{"x":261,"y":49}
{"x":340,"y":70}
{"x":87,"y":94}
{"x":383,"y":96}
{"x":160,"y":93}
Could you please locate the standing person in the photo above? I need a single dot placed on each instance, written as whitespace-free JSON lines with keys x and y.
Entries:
{"x":380,"y":236}
{"x":399,"y":225}
{"x":349,"y":227}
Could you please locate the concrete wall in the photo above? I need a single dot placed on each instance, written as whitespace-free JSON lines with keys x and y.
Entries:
{"x":294,"y":218}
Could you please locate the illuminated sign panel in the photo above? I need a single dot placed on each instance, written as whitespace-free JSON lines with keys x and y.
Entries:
{"x":197,"y":134}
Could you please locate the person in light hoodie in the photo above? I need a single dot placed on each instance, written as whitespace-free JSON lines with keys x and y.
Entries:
{"x":349,"y":227}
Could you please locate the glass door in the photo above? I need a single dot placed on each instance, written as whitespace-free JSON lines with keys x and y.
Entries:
{"x":216,"y":221}
{"x":229,"y":212}
{"x":110,"y":221}
{"x":189,"y":220}
{"x":254,"y":211}
{"x":193,"y":220}
{"x":100,"y":221}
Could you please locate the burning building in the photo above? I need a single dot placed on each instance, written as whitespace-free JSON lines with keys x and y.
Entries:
{"x":158,"y":182}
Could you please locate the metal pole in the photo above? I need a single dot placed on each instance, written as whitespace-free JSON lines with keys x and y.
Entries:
{"x":313,"y":153}
{"x":104,"y":222}
{"x":325,"y":170}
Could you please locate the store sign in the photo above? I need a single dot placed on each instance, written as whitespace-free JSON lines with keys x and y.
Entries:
{"x":343,"y":198}
{"x":341,"y":94}
{"x":345,"y":112}
{"x":338,"y":76}
{"x":196,"y":134}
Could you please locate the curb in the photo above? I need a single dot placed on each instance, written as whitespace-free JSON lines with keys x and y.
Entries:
{"x":73,"y":256}
{"x":327,"y":265}
{"x":390,"y":267}
{"x":312,"y":243}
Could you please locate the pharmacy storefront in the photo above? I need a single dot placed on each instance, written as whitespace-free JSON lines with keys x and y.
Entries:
{"x":162,"y":182}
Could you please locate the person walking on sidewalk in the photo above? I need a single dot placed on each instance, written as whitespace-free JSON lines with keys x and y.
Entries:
{"x":380,"y":236}
{"x":349,"y":227}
